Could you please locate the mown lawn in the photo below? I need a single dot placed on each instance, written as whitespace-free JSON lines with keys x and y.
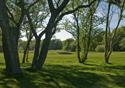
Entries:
{"x":64,"y":71}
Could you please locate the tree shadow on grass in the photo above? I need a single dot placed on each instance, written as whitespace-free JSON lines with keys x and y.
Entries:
{"x":58,"y":76}
{"x":118,"y":67}
{"x":107,"y":66}
{"x":76,"y":77}
{"x":73,"y":79}
{"x":17,"y":81}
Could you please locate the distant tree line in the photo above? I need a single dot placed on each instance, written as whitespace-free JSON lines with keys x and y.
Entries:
{"x":97,"y":43}
{"x":70,"y":44}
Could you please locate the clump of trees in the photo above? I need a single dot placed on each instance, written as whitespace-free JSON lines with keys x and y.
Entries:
{"x":69,"y":45}
{"x":55,"y":44}
{"x":14,"y":14}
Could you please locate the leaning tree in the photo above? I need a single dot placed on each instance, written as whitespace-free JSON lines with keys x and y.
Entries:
{"x":57,"y":10}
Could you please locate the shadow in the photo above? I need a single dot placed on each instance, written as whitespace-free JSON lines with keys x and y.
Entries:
{"x":77,"y":77}
{"x":107,"y":66}
{"x":71,"y":78}
{"x":90,"y":64}
{"x":64,"y":52}
{"x":1,"y":63}
{"x":17,"y":81}
{"x":116,"y":67}
{"x":59,"y":76}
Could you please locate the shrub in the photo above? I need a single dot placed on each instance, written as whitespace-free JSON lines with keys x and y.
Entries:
{"x":55,"y":44}
{"x":69,"y":45}
{"x":100,"y":48}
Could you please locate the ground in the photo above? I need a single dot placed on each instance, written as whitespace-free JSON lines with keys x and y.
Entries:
{"x":62,"y":70}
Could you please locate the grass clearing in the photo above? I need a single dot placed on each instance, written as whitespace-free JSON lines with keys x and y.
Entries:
{"x":64,"y":71}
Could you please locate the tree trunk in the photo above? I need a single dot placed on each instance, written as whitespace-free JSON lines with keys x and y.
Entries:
{"x":36,"y":54}
{"x":107,"y":59}
{"x":107,"y":39}
{"x":78,"y":37}
{"x":26,"y":51}
{"x":10,"y":51}
{"x":84,"y":58}
{"x":44,"y":51}
{"x":88,"y":42}
{"x":10,"y":37}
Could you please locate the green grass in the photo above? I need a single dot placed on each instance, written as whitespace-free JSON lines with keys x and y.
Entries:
{"x":64,"y":71}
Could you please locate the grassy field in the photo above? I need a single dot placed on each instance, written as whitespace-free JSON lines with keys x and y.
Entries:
{"x":64,"y":71}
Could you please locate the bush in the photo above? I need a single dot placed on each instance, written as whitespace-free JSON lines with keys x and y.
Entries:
{"x":122,"y":45}
{"x":55,"y":44}
{"x":100,"y":48}
{"x":72,"y":47}
{"x":69,"y":45}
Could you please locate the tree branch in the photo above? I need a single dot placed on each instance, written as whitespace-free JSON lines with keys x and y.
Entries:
{"x":33,"y":4}
{"x":31,"y":25}
{"x":51,"y":6}
{"x":72,"y":11}
{"x":11,"y":16}
{"x":61,"y":7}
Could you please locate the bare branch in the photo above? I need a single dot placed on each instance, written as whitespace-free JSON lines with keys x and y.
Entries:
{"x":75,"y":9}
{"x":31,"y":25}
{"x":61,"y":7}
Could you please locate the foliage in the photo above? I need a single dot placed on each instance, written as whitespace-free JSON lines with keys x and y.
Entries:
{"x":122,"y":44}
{"x":100,"y":48}
{"x":55,"y":44}
{"x":119,"y":39}
{"x":22,"y":45}
{"x":69,"y":45}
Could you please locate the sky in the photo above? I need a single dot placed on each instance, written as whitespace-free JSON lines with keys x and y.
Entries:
{"x":63,"y":35}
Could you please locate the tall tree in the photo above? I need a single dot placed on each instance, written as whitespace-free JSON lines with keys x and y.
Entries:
{"x":81,"y":28}
{"x":57,"y":12}
{"x":110,"y":37}
{"x":10,"y":36}
{"x":12,"y":14}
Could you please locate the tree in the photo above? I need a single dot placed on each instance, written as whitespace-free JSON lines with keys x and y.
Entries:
{"x":1,"y":48}
{"x":110,"y":38}
{"x":97,"y":38}
{"x":28,"y":35}
{"x":10,"y":36}
{"x":11,"y":18}
{"x":69,"y":45}
{"x":87,"y":31}
{"x":55,"y":44}
{"x":119,"y":40}
{"x":57,"y":12}
{"x":122,"y":44}
{"x":81,"y":28}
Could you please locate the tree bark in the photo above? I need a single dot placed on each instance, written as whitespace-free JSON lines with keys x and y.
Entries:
{"x":10,"y":51}
{"x":26,"y":51}
{"x":107,"y":40}
{"x":36,"y":54}
{"x":10,"y":37}
{"x":44,"y":51}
